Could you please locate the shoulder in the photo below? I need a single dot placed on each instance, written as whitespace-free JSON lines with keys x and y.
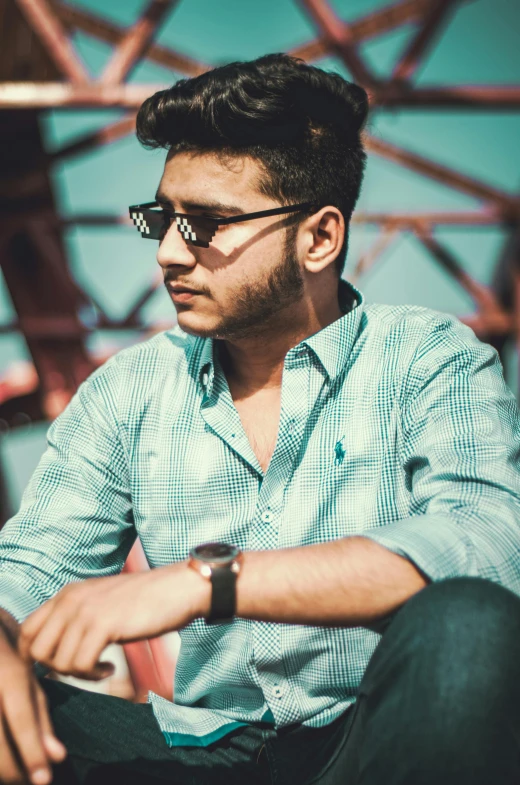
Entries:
{"x":171,"y":349}
{"x":420,"y":330}
{"x":419,"y":344}
{"x":414,"y":319}
{"x":139,"y":372}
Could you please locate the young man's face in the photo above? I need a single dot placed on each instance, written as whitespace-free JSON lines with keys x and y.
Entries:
{"x":250,"y":273}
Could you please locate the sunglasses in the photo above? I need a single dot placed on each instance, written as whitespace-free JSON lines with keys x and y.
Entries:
{"x":153,"y":221}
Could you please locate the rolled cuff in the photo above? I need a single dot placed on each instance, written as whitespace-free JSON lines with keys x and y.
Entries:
{"x":434,"y":543}
{"x":16,"y":600}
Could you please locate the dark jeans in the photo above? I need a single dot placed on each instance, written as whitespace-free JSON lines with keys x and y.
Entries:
{"x":439,"y":703}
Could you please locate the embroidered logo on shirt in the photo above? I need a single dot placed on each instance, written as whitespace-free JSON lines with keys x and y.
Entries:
{"x":339,"y":452}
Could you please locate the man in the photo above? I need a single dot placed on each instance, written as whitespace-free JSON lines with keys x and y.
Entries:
{"x":328,"y":491}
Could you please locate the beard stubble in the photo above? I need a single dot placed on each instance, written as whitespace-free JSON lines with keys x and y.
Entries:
{"x":257,"y":302}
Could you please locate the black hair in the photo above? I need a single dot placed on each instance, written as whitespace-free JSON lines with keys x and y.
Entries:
{"x":300,"y":123}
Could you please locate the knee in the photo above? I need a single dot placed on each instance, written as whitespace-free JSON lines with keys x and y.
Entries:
{"x":459,"y":631}
{"x":466,"y":597}
{"x":464,"y":612}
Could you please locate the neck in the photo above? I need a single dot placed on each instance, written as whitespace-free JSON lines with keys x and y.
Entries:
{"x":255,"y":363}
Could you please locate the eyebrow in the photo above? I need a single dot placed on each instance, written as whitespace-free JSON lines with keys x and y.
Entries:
{"x":216,"y":206}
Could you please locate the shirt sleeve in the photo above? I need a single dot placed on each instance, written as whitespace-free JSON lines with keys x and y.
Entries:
{"x":75,"y":520}
{"x":460,"y":452}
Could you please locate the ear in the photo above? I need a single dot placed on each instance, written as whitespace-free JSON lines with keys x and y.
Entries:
{"x":323,"y":237}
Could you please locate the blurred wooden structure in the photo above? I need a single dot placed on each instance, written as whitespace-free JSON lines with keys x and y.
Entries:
{"x":40,"y":69}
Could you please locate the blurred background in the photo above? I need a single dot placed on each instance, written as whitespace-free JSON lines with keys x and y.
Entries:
{"x":437,"y":223}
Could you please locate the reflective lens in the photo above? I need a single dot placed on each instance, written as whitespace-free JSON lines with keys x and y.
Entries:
{"x":153,"y":225}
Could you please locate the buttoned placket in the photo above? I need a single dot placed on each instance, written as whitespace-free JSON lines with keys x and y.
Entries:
{"x":302,"y":381}
{"x":301,"y":385}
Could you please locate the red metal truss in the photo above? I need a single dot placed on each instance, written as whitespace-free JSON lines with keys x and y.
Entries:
{"x":338,"y":39}
{"x":427,"y":29}
{"x":134,"y":44}
{"x":49,"y":29}
{"x":40,"y":69}
{"x":53,"y":95}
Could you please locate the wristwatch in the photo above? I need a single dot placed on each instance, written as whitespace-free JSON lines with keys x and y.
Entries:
{"x":219,"y":563}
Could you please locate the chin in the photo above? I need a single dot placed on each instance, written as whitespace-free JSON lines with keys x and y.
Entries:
{"x":195,"y":325}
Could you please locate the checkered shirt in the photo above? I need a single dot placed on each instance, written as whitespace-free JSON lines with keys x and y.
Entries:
{"x":396,"y":424}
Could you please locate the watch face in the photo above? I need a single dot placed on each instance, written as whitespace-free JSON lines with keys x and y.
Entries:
{"x":215,"y":552}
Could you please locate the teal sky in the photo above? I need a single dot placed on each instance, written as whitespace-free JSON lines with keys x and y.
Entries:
{"x":479,"y":44}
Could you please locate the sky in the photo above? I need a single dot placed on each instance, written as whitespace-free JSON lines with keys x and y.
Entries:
{"x":478,"y":45}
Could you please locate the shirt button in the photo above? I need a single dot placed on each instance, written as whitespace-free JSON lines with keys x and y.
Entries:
{"x":292,"y":426}
{"x":277,"y":691}
{"x":267,"y":516}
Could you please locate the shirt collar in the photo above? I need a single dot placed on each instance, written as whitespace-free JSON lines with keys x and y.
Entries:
{"x":206,"y":365}
{"x":332,"y":345}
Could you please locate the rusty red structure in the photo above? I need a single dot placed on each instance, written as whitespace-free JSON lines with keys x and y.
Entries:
{"x":40,"y":70}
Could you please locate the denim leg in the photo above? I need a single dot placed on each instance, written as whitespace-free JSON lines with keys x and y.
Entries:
{"x":439,"y":701}
{"x":111,"y":740}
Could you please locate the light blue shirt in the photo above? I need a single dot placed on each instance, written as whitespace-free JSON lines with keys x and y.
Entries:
{"x":396,"y":424}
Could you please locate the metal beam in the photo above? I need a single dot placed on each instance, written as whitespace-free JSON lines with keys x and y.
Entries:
{"x":484,"y":298}
{"x":376,"y":23}
{"x":488,"y":216}
{"x":508,"y":262}
{"x":49,"y":29}
{"x":136,"y":41}
{"x":88,"y":142}
{"x":49,"y":95}
{"x":338,"y":37}
{"x":34,"y":265}
{"x":462,"y":97}
{"x":368,"y":259}
{"x":428,"y":28}
{"x":132,"y":316}
{"x":61,"y":328}
{"x":487,"y":329}
{"x":101,"y":28}
{"x":508,"y":204}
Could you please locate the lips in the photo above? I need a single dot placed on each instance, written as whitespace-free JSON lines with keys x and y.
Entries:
{"x":182,"y":289}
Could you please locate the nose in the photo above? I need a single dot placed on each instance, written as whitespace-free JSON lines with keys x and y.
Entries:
{"x":173,"y":250}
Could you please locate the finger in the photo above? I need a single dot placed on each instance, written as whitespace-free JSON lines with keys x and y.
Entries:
{"x":54,"y":748}
{"x":47,"y":640}
{"x":87,"y":659}
{"x":102,"y":670}
{"x":82,"y":666}
{"x":69,"y":645}
{"x":21,"y":718}
{"x":32,"y":625}
{"x":11,"y":768}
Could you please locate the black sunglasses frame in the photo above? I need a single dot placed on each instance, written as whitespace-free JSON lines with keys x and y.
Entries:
{"x":204,"y":226}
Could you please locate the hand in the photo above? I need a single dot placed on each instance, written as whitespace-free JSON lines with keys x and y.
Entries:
{"x":70,"y":631}
{"x":27,"y":740}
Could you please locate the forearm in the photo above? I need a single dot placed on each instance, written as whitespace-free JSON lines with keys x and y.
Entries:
{"x":349,"y":583}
